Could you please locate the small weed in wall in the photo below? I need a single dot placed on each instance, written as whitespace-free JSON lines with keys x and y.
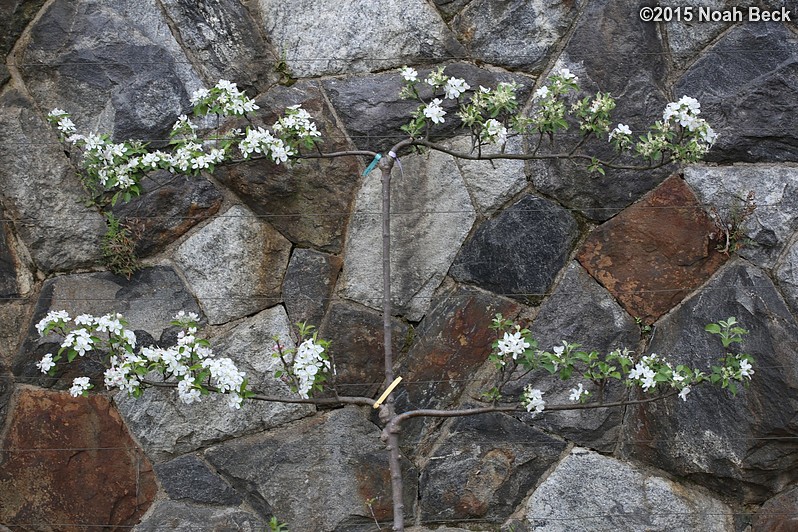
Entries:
{"x":119,"y":247}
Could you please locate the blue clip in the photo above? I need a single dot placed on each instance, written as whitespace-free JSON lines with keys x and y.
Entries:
{"x":371,"y":166}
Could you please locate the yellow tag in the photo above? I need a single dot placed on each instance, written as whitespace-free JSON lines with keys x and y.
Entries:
{"x":387,"y":392}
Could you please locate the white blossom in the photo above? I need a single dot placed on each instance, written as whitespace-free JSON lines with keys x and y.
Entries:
{"x":512,"y":344}
{"x":542,"y":93}
{"x":434,"y":111}
{"x":79,"y":385}
{"x":494,"y":132}
{"x":198,"y":95}
{"x":307,"y":363}
{"x":683,"y":393}
{"x":54,"y":316}
{"x":46,"y":363}
{"x":80,"y":340}
{"x":66,"y":126}
{"x":187,"y":392}
{"x":224,"y":374}
{"x":567,"y":75}
{"x":577,"y":393}
{"x":746,"y":370}
{"x":455,"y":87}
{"x":620,"y":130}
{"x":409,"y":74}
{"x":533,"y":399}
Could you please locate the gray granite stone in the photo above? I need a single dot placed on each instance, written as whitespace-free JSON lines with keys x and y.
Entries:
{"x":120,"y":70}
{"x":322,"y":37}
{"x":235,"y":265}
{"x":602,"y":493}
{"x":166,"y":427}
{"x":66,"y":234}
{"x":333,"y":462}
{"x":767,"y":231}
{"x":432,"y":214}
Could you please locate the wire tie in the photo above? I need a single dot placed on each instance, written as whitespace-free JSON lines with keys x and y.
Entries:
{"x":371,"y":166}
{"x":387,"y":392}
{"x":398,"y":162}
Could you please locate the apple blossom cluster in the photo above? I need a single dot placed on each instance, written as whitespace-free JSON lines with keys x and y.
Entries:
{"x":305,"y":367}
{"x":685,"y":112}
{"x":486,"y":113}
{"x":119,"y":167}
{"x":680,"y":134}
{"x":189,"y":365}
{"x":516,"y":349}
{"x":224,"y":99}
{"x":307,"y":364}
{"x":513,"y":345}
{"x":293,"y":130}
{"x":532,"y":400}
{"x":549,"y":114}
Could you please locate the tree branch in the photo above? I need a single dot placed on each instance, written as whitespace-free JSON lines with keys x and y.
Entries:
{"x":340,"y":400}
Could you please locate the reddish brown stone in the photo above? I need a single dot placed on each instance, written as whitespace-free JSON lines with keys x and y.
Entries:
{"x":169,"y":206}
{"x":356,"y":336}
{"x":71,"y":461}
{"x":779,"y":514}
{"x":453,"y":342}
{"x":655,"y":252}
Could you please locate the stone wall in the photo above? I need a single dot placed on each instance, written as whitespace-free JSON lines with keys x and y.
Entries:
{"x":256,"y":247}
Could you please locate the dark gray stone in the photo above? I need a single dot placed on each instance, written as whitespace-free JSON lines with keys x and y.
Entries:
{"x":611,"y":51}
{"x":224,"y":41}
{"x":308,"y":285}
{"x":174,"y":515}
{"x":119,"y":68}
{"x":580,"y":311}
{"x":373,"y":112}
{"x":450,"y":8}
{"x":740,"y":446}
{"x":357,"y":340}
{"x":747,"y":84}
{"x":14,"y":17}
{"x":333,"y":463}
{"x":148,"y":300}
{"x":515,"y":34}
{"x":41,"y":193}
{"x":484,"y":468}
{"x":189,"y":478}
{"x":14,"y":276}
{"x":687,"y":39}
{"x":519,"y":252}
{"x":309,"y":202}
{"x":169,"y":206}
